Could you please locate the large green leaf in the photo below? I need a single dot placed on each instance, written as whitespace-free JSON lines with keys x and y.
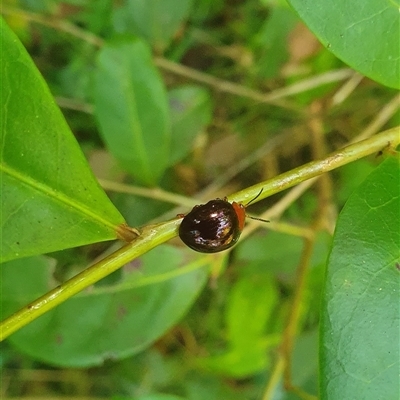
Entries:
{"x":132,"y":109}
{"x":107,"y":321}
{"x":50,"y":199}
{"x":364,"y":34}
{"x":360,"y":320}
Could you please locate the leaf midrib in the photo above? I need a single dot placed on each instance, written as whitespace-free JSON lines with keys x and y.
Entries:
{"x":55,"y":195}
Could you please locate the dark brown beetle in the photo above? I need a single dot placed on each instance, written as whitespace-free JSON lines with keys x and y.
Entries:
{"x":214,"y":226}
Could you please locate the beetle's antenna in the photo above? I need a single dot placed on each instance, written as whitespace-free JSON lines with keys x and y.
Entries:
{"x":257,"y":219}
{"x":254,"y":198}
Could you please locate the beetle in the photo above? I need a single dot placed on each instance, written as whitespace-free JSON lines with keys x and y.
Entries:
{"x":214,"y":226}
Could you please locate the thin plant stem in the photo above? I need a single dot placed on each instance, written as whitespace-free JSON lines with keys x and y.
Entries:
{"x":291,"y":329}
{"x":346,"y":155}
{"x":324,"y":188}
{"x":150,"y":237}
{"x":277,"y":209}
{"x":274,"y":379}
{"x":153,"y":235}
{"x":152,"y":193}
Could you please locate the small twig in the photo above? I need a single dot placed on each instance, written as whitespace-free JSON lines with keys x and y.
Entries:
{"x":344,"y":92}
{"x":290,"y":331}
{"x":283,"y":204}
{"x":241,"y":91}
{"x":153,"y":235}
{"x":151,"y":193}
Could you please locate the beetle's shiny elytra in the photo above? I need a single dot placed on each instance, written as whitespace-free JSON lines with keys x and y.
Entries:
{"x":214,"y":226}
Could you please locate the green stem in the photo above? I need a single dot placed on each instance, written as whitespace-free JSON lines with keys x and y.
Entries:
{"x":380,"y":142}
{"x":153,"y":235}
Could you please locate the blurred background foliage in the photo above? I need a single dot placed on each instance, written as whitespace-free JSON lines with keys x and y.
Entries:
{"x":221,"y":73}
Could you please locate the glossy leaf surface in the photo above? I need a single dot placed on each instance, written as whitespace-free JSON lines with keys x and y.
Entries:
{"x":363,"y":35}
{"x":50,"y":199}
{"x":360,"y":320}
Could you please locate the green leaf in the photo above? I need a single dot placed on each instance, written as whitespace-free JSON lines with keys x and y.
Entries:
{"x":131,"y":106}
{"x":364,"y":36}
{"x":359,"y":348}
{"x":107,"y":321}
{"x":190,"y":113}
{"x":250,"y":305}
{"x":50,"y":199}
{"x":154,"y":20}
